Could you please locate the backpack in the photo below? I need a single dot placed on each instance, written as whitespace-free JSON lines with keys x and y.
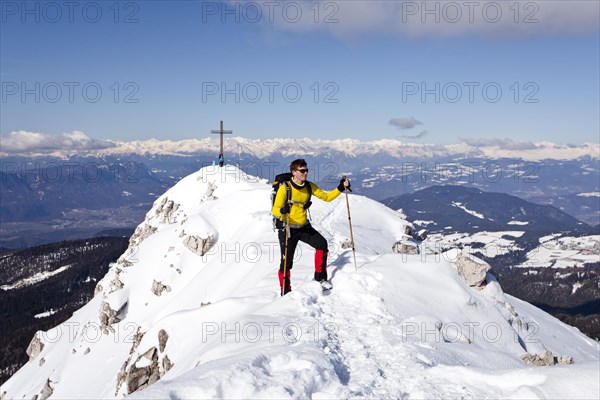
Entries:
{"x":284,"y":179}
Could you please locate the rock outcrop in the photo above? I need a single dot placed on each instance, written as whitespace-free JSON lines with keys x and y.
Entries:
{"x":108,"y":316}
{"x":405,"y":247}
{"x":35,"y":346}
{"x":198,"y":245}
{"x":147,"y":368}
{"x":545,"y":359}
{"x":158,"y":288}
{"x":472,"y":270}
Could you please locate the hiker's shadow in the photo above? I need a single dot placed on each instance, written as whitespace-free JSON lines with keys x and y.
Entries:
{"x":343,"y":261}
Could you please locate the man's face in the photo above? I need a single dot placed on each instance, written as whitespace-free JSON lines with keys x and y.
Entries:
{"x":300,"y":174}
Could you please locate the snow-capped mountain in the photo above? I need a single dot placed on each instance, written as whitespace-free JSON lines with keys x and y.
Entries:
{"x":57,"y":187}
{"x":78,"y":143}
{"x":192,"y":310}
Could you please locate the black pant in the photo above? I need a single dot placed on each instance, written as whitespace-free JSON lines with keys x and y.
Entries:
{"x":306,"y":234}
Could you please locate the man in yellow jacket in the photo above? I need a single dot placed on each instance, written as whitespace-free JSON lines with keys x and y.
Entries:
{"x":300,"y":227}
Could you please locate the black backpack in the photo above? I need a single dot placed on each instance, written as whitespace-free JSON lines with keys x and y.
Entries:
{"x":284,"y":179}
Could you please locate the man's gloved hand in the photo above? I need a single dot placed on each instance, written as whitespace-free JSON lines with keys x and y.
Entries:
{"x":341,"y":186}
{"x":285,"y":209}
{"x":307,"y":205}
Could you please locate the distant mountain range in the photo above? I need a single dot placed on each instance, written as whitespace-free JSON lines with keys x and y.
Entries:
{"x":448,"y":209}
{"x":55,"y":194}
{"x":24,"y":144}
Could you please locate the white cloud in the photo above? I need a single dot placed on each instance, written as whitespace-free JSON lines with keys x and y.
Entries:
{"x":515,"y":18}
{"x":504,"y":144}
{"x":34,"y":142}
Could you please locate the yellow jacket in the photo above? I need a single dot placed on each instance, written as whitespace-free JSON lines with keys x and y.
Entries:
{"x":299,"y":196}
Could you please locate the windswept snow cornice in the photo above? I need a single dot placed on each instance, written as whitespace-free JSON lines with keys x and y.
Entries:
{"x":285,"y":147}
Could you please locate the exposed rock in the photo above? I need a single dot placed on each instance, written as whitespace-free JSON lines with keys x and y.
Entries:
{"x":98,"y":289}
{"x":471,"y":269}
{"x":147,"y":368}
{"x":405,"y":247}
{"x":122,"y":375}
{"x":546,"y":358}
{"x":116,"y":284}
{"x":158,"y":288}
{"x":198,"y":245}
{"x":542,"y":359}
{"x":408,"y":230}
{"x":137,"y":339}
{"x":563,"y":360}
{"x":508,"y":307}
{"x":124,"y":261}
{"x":163,"y":336}
{"x":47,"y":390}
{"x":141,"y":233}
{"x":42,"y":361}
{"x":140,"y":377}
{"x":171,"y":248}
{"x":87,"y":351}
{"x":421,"y":235}
{"x":166,"y":210}
{"x":108,"y":316}
{"x":210,"y":188}
{"x":35,"y":346}
{"x":167,"y":365}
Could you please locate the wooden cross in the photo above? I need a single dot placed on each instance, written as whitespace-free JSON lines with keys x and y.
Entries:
{"x":221,"y":132}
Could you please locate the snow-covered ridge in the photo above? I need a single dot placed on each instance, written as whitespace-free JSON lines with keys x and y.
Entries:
{"x":78,"y":143}
{"x":192,"y":310}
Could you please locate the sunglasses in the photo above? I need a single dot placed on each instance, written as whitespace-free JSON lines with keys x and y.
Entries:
{"x":303,"y":170}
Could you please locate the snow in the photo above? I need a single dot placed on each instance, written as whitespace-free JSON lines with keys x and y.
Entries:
{"x":544,"y":239}
{"x":489,"y":244}
{"x":266,"y":148}
{"x":517,"y":223}
{"x":591,"y":194}
{"x":45,"y":314}
{"x":564,"y":252}
{"x":37,"y":278}
{"x":399,"y":326}
{"x":423,"y":222}
{"x":465,"y":209}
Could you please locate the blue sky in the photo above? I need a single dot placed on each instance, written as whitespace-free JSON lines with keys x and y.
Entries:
{"x":365,"y":69}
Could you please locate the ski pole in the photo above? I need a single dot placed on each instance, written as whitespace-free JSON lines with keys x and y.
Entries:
{"x":350,"y":223}
{"x":285,"y":252}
